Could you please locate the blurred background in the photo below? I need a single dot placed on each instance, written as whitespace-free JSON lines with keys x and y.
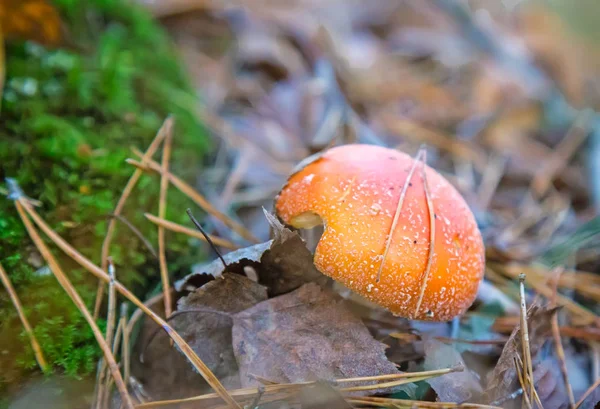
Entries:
{"x":503,"y":94}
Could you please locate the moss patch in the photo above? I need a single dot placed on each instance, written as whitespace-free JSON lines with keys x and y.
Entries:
{"x":68,"y":119}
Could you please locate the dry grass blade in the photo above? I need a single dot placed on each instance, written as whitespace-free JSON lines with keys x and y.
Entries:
{"x":278,"y":387}
{"x":435,"y":372}
{"x":70,"y":290}
{"x":178,"y":228}
{"x":587,"y":393}
{"x":98,"y":272}
{"x":110,"y":230}
{"x":162,"y":211}
{"x":527,"y":364}
{"x":197,"y":198}
{"x":390,"y":234}
{"x":519,"y":371}
{"x":39,"y":356}
{"x":406,"y":403}
{"x":239,"y":393}
{"x":104,"y":375}
{"x":431,"y":234}
{"x":391,"y":384}
{"x":560,"y":352}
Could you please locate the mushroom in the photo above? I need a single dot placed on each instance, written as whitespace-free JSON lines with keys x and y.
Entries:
{"x":377,"y":206}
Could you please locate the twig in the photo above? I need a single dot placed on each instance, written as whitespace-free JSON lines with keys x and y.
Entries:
{"x":190,"y":232}
{"x":39,"y":355}
{"x":430,"y":208}
{"x":135,"y":231}
{"x":522,"y":382}
{"x":200,"y":366}
{"x":162,"y":211}
{"x":197,"y":198}
{"x":560,"y":352}
{"x":125,"y":355}
{"x":206,"y":236}
{"x":74,"y":295}
{"x":527,"y":364}
{"x":406,"y":403}
{"x":275,"y":388}
{"x":110,"y":230}
{"x":104,"y":379}
{"x":435,"y":372}
{"x":386,"y":384}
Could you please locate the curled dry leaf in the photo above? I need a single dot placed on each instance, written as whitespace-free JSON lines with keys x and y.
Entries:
{"x":282,"y":264}
{"x":454,"y":387}
{"x":503,"y":380}
{"x":165,"y":373}
{"x":305,"y":335}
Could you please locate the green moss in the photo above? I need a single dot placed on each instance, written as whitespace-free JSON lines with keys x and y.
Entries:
{"x":68,"y":118}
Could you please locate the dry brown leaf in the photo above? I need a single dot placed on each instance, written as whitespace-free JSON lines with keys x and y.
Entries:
{"x":503,"y":380}
{"x":165,"y":373}
{"x":305,"y":335}
{"x":453,"y":387}
{"x":282,"y":264}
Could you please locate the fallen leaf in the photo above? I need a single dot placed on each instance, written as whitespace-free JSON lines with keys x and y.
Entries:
{"x":503,"y":380}
{"x":282,"y":264}
{"x":322,"y":396}
{"x":204,"y":320}
{"x":453,"y":387}
{"x":305,"y":335}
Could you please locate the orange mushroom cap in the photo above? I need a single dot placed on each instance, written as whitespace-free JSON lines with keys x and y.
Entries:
{"x":355,"y":190}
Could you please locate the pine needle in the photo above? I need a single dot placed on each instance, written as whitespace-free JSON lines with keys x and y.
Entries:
{"x":110,"y":230}
{"x":162,"y":211}
{"x":199,"y":199}
{"x":178,"y":228}
{"x":206,"y":373}
{"x":74,"y":295}
{"x":39,"y":355}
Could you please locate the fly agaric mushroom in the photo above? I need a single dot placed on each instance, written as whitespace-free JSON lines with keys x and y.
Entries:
{"x":375,"y":204}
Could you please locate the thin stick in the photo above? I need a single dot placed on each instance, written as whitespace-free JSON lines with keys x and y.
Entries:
{"x":587,"y":393}
{"x":527,"y":364}
{"x":125,"y":358}
{"x":37,"y":350}
{"x":402,"y":375}
{"x":206,"y":236}
{"x":98,"y":272}
{"x":110,"y":230}
{"x":522,"y":381}
{"x":135,"y":231}
{"x":560,"y":352}
{"x":431,"y":235}
{"x":178,"y":228}
{"x":118,"y":336}
{"x":398,"y":211}
{"x":272,"y":388}
{"x":162,"y":211}
{"x":72,"y":293}
{"x":386,"y":384}
{"x":138,"y":313}
{"x":197,"y":198}
{"x":406,"y":403}
{"x":104,"y":379}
